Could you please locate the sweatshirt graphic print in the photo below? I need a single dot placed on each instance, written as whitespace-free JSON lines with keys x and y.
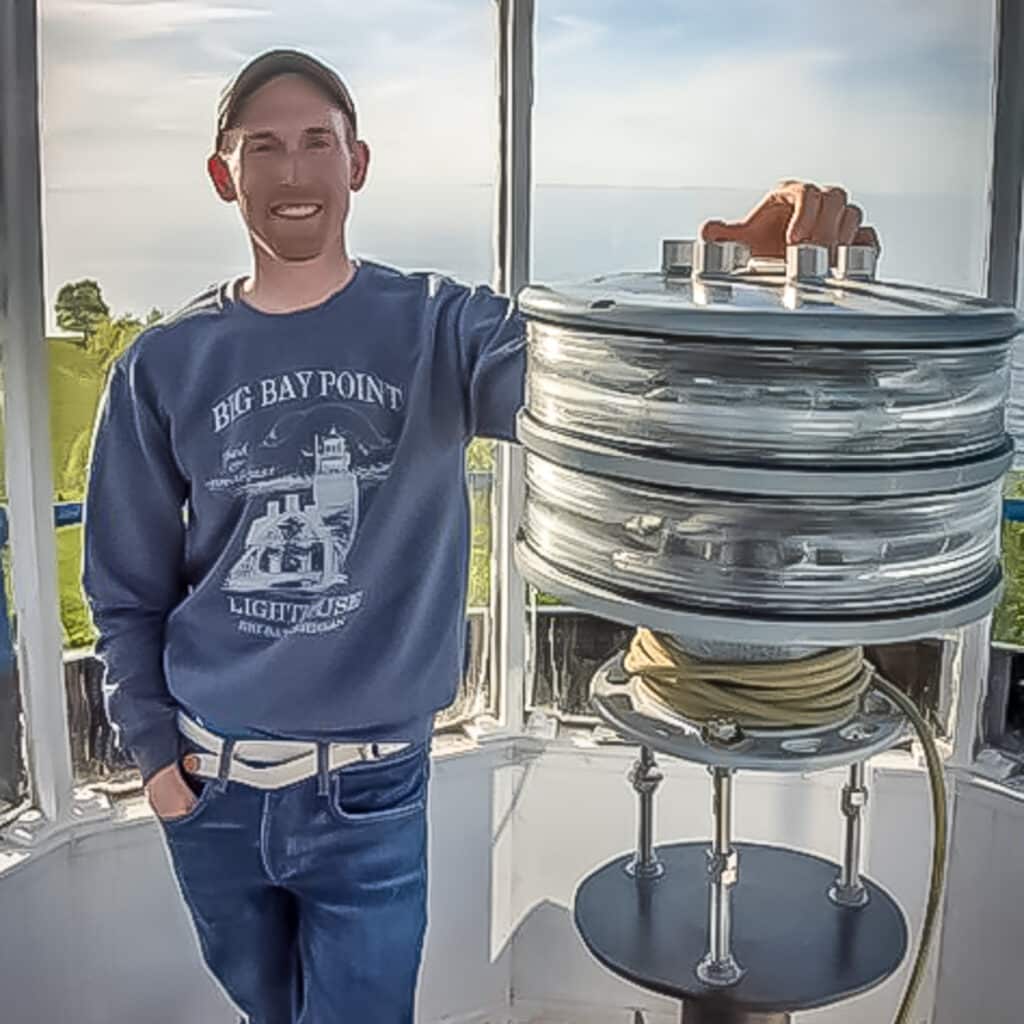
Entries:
{"x":306,"y":470}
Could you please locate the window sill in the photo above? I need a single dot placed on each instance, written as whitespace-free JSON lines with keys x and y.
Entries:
{"x":491,"y":746}
{"x":997,"y":771}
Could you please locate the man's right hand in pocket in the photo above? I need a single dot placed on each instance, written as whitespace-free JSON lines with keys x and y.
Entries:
{"x":169,"y":794}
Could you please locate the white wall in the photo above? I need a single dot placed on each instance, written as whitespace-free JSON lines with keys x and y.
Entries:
{"x":94,"y":933}
{"x":983,"y":944}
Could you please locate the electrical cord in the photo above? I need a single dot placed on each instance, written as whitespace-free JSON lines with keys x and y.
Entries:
{"x":940,"y":841}
{"x":819,"y":690}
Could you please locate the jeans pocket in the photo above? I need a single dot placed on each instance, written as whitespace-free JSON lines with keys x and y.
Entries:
{"x":203,"y":790}
{"x":373,"y":791}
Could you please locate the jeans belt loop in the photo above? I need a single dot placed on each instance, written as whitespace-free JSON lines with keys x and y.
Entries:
{"x":323,"y":751}
{"x":224,"y":769}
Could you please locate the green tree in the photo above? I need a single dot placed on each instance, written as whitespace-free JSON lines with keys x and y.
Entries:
{"x":112,"y":337}
{"x":80,"y":307}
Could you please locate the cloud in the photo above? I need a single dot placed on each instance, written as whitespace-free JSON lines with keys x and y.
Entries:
{"x":131,"y":100}
{"x":566,"y":34}
{"x":713,"y":127}
{"x":696,"y":92}
{"x":678,"y":83}
{"x":122,"y":20}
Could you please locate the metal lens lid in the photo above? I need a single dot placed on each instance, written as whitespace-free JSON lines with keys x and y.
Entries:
{"x":771,"y":305}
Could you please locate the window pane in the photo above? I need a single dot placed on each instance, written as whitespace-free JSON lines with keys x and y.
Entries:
{"x":96,"y":756}
{"x":1008,"y":621}
{"x":1004,"y":725}
{"x":712,"y":103}
{"x":135,"y":229}
{"x":916,"y":668}
{"x":13,"y":776}
{"x":476,"y":695}
{"x":653,"y":117}
{"x":568,"y":647}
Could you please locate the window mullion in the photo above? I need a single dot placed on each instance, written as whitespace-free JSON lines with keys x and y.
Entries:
{"x":512,"y":236}
{"x":1007,"y":191}
{"x":27,"y":414}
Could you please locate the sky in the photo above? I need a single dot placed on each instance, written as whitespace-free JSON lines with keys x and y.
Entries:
{"x":884,"y":97}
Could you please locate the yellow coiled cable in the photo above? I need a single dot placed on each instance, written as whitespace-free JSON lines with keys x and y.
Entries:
{"x":813,"y":691}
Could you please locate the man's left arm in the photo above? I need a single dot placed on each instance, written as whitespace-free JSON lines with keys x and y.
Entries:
{"x":491,"y":337}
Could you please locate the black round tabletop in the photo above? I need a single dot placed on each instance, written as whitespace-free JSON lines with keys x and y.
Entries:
{"x":800,"y":950}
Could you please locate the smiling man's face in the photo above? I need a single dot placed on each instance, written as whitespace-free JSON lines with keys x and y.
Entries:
{"x":291,"y":163}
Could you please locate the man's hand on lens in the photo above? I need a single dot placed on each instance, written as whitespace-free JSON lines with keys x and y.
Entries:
{"x":795,"y":212}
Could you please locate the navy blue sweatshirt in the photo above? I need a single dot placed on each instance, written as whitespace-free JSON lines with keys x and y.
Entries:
{"x":277,"y":527}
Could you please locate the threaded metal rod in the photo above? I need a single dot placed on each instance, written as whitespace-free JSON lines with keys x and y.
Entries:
{"x":719,"y":966}
{"x":645,"y":778}
{"x":721,"y":916}
{"x":849,"y":890}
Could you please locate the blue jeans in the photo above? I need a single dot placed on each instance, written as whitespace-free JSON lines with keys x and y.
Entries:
{"x":310,"y":901}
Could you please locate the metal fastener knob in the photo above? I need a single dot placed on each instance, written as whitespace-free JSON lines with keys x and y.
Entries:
{"x":722,"y":730}
{"x":719,"y":259}
{"x":807,"y":262}
{"x":677,"y":256}
{"x":856,"y":262}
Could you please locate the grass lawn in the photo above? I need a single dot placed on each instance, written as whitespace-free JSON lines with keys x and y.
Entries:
{"x":479,"y":595}
{"x":74,"y":613}
{"x":76,"y":387}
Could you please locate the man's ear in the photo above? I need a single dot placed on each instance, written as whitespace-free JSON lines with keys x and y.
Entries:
{"x":221,"y":178}
{"x":360,"y":165}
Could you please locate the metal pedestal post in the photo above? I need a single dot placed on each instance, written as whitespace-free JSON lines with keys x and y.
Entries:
{"x":706,"y":1013}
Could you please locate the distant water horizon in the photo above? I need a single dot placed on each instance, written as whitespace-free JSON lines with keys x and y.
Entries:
{"x":168,"y":243}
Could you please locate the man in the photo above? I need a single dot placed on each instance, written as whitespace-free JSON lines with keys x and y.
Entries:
{"x":280,"y":606}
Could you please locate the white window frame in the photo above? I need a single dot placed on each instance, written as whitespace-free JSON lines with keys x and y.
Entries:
{"x":27,"y":414}
{"x":1006,"y":194}
{"x":22,"y":329}
{"x":516,"y":20}
{"x":974,"y":753}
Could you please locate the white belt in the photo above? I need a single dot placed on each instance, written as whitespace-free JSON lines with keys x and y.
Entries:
{"x":285,"y":761}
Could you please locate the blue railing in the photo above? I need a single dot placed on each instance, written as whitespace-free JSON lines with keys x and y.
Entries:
{"x":67,"y":513}
{"x":1013,"y":509}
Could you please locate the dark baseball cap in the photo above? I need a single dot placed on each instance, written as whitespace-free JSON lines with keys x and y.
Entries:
{"x":270,"y":64}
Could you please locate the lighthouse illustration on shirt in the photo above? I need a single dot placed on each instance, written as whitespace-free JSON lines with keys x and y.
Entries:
{"x":308,"y":452}
{"x":302,"y":549}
